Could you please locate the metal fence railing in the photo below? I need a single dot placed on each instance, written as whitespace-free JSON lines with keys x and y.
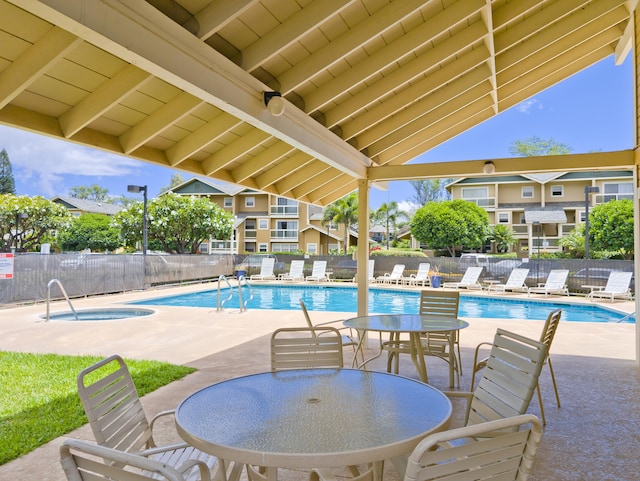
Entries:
{"x":94,"y":274}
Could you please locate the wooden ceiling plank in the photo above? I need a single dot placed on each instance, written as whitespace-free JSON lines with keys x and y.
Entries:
{"x":553,"y":23}
{"x":391,"y":53}
{"x":555,"y":50}
{"x":217,"y":15}
{"x":487,"y":16}
{"x":344,"y":189}
{"x":283,"y":169}
{"x":261,"y":161}
{"x":557,"y":35}
{"x":625,"y":44}
{"x":290,"y":31}
{"x":33,"y":63}
{"x":414,"y":120}
{"x":422,"y":65}
{"x":201,"y":137}
{"x":102,"y":99}
{"x":372,"y":119}
{"x":512,"y":11}
{"x":300,"y":175}
{"x":236,"y":149}
{"x":354,"y":38}
{"x":311,"y":184}
{"x":181,"y":105}
{"x":140,"y":34}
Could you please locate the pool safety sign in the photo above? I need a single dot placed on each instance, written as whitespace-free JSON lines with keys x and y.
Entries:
{"x":6,"y":266}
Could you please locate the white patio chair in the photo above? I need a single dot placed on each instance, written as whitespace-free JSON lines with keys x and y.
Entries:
{"x":318,"y":272}
{"x":296,"y":272}
{"x":84,"y":461}
{"x":117,"y":418}
{"x":504,"y":449}
{"x":306,"y":347}
{"x":395,"y":276}
{"x":556,"y":284}
{"x":515,"y":282}
{"x":266,"y":270}
{"x":421,"y":277}
{"x":618,"y":287}
{"x":469,"y":279}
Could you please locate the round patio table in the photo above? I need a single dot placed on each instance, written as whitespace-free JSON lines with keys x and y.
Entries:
{"x":312,"y":418}
{"x":414,"y":325}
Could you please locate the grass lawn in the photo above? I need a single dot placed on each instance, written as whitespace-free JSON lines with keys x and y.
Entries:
{"x":39,"y":396}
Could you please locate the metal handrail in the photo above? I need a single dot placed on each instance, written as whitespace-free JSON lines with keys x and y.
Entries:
{"x":242,"y":280}
{"x":219,"y":304}
{"x":64,"y":293}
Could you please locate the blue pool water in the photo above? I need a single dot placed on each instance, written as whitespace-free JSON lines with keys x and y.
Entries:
{"x":344,"y":299}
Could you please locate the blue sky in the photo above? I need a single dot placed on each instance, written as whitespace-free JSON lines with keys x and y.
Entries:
{"x":591,"y":111}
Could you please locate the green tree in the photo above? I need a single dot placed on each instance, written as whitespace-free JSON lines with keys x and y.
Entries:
{"x":7,"y":182}
{"x":451,"y":224}
{"x":611,"y":227}
{"x":573,"y":242}
{"x":503,"y":237}
{"x":389,"y":215}
{"x":28,"y":221}
{"x":176,"y":179}
{"x":344,"y":212}
{"x":90,"y":231}
{"x":430,"y":190}
{"x":178,"y":223}
{"x":93,"y":192}
{"x":535,"y":146}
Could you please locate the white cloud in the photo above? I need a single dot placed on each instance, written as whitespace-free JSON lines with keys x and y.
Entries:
{"x":527,"y":105}
{"x":43,"y":162}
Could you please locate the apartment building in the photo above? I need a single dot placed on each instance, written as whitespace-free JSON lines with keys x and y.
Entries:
{"x":265,"y":222}
{"x":542,"y":208}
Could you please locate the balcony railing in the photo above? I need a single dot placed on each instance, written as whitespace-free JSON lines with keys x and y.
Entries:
{"x":278,"y":234}
{"x":284,"y":210}
{"x":603,"y":198}
{"x":482,"y":201}
{"x":250,"y":233}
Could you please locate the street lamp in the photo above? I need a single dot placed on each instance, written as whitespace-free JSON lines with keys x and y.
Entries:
{"x":22,"y":215}
{"x":136,"y":189}
{"x":587,"y":191}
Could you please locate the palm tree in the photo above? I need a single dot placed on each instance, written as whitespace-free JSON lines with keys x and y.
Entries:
{"x":344,"y":211}
{"x":389,"y":214}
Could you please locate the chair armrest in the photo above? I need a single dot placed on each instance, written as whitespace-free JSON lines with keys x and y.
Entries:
{"x":188,"y":466}
{"x":462,"y":394}
{"x":161,"y":414}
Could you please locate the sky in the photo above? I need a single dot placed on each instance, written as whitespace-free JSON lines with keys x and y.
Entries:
{"x":591,"y":111}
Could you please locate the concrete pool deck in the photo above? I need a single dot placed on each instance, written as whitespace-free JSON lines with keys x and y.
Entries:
{"x":594,"y":435}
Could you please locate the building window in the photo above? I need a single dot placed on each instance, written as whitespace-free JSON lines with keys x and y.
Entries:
{"x":504,"y":217}
{"x":523,"y":219}
{"x":312,"y":248}
{"x":249,"y":201}
{"x":263,"y":224}
{"x":262,"y":247}
{"x":557,"y":190}
{"x":228,"y":202}
{"x":281,"y":247}
{"x":527,"y":192}
{"x":583,"y":216}
{"x":616,"y":191}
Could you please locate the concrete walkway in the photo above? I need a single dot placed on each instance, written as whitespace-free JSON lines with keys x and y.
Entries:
{"x":593,"y":436}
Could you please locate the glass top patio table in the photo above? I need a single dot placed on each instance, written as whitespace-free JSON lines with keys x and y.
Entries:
{"x":312,"y":418}
{"x":414,"y":325}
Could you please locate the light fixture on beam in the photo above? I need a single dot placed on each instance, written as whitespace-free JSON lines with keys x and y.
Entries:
{"x":274,"y":103}
{"x":488,"y":167}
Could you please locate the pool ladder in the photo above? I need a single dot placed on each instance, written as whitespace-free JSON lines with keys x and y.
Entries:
{"x":242,"y":281}
{"x":64,"y":293}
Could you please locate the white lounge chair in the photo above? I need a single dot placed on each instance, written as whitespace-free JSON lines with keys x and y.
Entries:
{"x":515,"y":282}
{"x":617,"y":287}
{"x":395,"y":276}
{"x":421,"y":277}
{"x":318,"y":272}
{"x":266,"y":270}
{"x":469,"y":279}
{"x":296,"y":272}
{"x":556,"y":284}
{"x":371,"y":266}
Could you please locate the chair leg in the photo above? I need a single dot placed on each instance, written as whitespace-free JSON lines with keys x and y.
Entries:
{"x":553,"y":379}
{"x":544,"y":420}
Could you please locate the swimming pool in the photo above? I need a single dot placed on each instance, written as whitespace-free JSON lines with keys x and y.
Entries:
{"x":392,"y":301}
